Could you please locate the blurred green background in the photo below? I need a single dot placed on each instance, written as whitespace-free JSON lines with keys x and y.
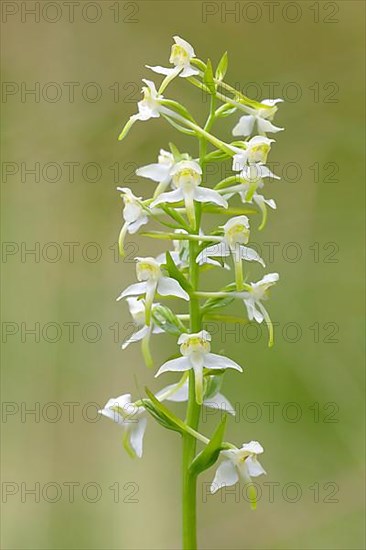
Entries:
{"x":317,"y":362}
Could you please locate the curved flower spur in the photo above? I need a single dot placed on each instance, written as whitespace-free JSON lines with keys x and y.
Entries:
{"x":181,"y":206}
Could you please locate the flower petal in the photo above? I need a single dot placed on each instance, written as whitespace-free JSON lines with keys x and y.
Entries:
{"x":214,"y":361}
{"x":188,"y":71}
{"x":219,"y":402}
{"x":162,"y":70}
{"x":180,"y":364}
{"x":176,"y":393}
{"x":137,"y":431}
{"x":267,"y":126}
{"x":136,"y":336}
{"x":170,"y":287}
{"x":156,"y":171}
{"x":171,"y":196}
{"x":202,"y":194}
{"x":253,"y":313}
{"x":255,"y":469}
{"x":133,"y":290}
{"x":250,"y":255}
{"x":135,"y":226}
{"x":245,"y":126}
{"x":226,"y":475}
{"x":185,"y":45}
{"x":217,"y":250}
{"x":253,"y":447}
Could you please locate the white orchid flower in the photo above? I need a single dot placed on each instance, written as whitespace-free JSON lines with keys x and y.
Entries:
{"x":186,"y":176}
{"x":195,"y":350}
{"x":181,"y":56}
{"x":253,"y":301}
{"x":239,"y":464}
{"x":128,"y":415}
{"x":159,"y":172}
{"x":148,"y":107}
{"x":134,"y":215}
{"x":236,"y":235}
{"x":137,"y":311}
{"x":256,"y":150}
{"x":178,"y":393}
{"x":151,"y":282}
{"x":253,"y":176}
{"x":261,"y":117}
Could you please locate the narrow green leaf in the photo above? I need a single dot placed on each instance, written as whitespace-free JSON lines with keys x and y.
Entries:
{"x":175,"y":152}
{"x":208,"y":78}
{"x":222,"y":67}
{"x":163,"y":414}
{"x":176,"y":274}
{"x":179,"y":127}
{"x":167,"y":320}
{"x":206,"y":458}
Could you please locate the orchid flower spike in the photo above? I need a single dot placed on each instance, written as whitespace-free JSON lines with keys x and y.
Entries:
{"x":152,"y":281}
{"x":261,"y":117}
{"x":253,"y":301}
{"x":134,"y":215}
{"x":186,"y":176}
{"x":195,"y":350}
{"x":238,"y":464}
{"x":128,"y":415}
{"x":181,"y":55}
{"x":236,"y":235}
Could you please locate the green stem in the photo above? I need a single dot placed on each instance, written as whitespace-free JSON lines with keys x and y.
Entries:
{"x":192,"y":418}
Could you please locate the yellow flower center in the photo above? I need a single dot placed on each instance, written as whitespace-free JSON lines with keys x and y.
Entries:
{"x":195,"y":344}
{"x":178,"y":56}
{"x":148,"y":270}
{"x":259,"y":153}
{"x":237,"y":234}
{"x":186,"y":176}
